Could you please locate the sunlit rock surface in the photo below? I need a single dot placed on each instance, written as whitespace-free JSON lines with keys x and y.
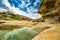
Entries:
{"x":49,"y":34}
{"x":50,"y":10}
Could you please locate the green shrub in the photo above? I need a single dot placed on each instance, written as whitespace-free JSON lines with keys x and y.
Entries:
{"x":21,"y":34}
{"x":2,"y":33}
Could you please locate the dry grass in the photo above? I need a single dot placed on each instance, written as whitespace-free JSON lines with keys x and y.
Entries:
{"x":16,"y":24}
{"x":9,"y":27}
{"x":27,"y":23}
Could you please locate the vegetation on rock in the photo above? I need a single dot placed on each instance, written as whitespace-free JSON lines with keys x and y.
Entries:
{"x":2,"y":33}
{"x":21,"y":34}
{"x":8,"y":15}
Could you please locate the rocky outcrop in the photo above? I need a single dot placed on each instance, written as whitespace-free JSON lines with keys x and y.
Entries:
{"x":9,"y":15}
{"x":50,"y":10}
{"x":49,"y":34}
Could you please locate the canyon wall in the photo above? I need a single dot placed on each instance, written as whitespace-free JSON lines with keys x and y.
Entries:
{"x":50,"y":10}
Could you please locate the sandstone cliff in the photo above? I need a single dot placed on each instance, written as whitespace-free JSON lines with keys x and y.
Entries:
{"x":50,"y":10}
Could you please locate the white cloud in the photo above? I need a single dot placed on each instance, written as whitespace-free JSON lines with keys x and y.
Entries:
{"x":26,"y":5}
{"x":23,"y":2}
{"x":2,"y":10}
{"x":35,"y":3}
{"x":34,"y":16}
{"x":20,"y":12}
{"x":10,"y":7}
{"x":28,"y":0}
{"x":22,"y":5}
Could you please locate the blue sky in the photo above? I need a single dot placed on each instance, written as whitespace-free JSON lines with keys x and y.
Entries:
{"x":16,"y":3}
{"x":27,"y":8}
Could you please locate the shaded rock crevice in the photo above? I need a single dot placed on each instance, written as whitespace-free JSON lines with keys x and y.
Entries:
{"x":50,"y":9}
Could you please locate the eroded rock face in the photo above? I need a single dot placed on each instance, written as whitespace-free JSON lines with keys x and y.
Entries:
{"x":50,"y":10}
{"x":49,"y":34}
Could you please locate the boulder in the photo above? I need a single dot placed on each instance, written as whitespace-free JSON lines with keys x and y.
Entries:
{"x":49,"y":34}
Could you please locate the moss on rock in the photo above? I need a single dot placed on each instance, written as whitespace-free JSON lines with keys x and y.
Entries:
{"x":21,"y":34}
